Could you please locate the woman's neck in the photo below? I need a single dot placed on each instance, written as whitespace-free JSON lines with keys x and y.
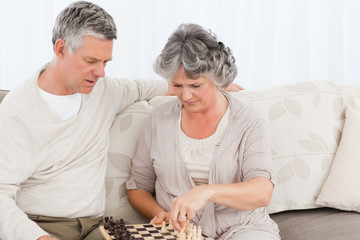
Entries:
{"x":201,"y":125}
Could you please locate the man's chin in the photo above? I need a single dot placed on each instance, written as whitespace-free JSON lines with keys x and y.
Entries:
{"x":86,"y":90}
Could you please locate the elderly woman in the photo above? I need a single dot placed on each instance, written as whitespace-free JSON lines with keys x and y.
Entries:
{"x":204,"y":156}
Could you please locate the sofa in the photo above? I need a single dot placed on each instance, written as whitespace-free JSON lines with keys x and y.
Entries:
{"x":313,"y":137}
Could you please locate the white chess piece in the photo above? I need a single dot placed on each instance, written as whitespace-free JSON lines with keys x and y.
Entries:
{"x":188,"y":226}
{"x":182,"y":235}
{"x":194,"y":233}
{"x":199,"y":232}
{"x":163,"y":227}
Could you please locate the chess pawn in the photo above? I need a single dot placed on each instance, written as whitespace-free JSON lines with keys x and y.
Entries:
{"x":170,"y":225}
{"x":194,"y":237}
{"x":193,"y":230}
{"x":188,"y":227}
{"x":194,"y":233}
{"x":182,"y":235}
{"x":163,"y":227}
{"x":199,"y":233}
{"x":189,"y":235}
{"x":190,"y":231}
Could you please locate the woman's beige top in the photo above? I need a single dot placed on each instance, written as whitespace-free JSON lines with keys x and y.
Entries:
{"x":243,"y":154}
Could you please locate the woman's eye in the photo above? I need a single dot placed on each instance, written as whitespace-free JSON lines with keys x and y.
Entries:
{"x":177,"y":85}
{"x":195,"y":86}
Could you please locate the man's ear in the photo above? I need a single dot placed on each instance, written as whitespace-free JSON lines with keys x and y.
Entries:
{"x":60,"y":48}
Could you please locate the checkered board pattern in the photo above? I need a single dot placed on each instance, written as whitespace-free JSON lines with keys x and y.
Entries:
{"x":145,"y":232}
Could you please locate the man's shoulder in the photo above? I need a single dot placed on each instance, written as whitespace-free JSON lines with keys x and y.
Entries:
{"x":20,"y":93}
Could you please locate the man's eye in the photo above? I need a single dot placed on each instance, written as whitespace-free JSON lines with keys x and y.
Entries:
{"x":177,"y":85}
{"x":195,"y":86}
{"x":91,"y":61}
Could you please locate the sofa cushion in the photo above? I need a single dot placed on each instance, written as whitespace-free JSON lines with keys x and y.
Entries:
{"x":124,"y":136}
{"x":305,"y":123}
{"x":341,"y":189}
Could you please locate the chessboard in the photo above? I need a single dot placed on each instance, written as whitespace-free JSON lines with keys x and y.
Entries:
{"x":118,"y":230}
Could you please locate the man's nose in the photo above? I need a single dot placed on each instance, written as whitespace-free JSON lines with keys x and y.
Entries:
{"x":100,"y":70}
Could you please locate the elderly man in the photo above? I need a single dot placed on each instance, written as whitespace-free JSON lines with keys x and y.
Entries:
{"x":54,"y":132}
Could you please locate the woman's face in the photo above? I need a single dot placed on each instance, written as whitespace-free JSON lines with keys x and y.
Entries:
{"x":196,"y":95}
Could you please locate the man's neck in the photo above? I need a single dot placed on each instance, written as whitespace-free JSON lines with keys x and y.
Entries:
{"x":49,"y":81}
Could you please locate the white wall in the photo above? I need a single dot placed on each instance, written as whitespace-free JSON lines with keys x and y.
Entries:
{"x":273,"y":41}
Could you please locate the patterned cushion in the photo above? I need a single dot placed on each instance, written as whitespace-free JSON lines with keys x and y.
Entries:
{"x":305,"y":124}
{"x":341,"y":188}
{"x":124,"y":135}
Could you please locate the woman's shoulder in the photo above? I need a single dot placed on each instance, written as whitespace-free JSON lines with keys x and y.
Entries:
{"x":169,"y":106}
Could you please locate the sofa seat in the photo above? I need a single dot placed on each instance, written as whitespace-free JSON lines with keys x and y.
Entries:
{"x":318,"y":224}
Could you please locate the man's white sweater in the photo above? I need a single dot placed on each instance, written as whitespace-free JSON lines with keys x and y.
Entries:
{"x":54,"y":167}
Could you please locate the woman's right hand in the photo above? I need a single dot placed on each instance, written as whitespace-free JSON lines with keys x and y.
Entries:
{"x":162,"y":216}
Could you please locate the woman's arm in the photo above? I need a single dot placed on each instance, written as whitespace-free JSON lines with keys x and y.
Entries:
{"x":145,"y":204}
{"x":248,"y":195}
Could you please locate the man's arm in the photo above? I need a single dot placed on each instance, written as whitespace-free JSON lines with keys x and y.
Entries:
{"x":16,"y":165}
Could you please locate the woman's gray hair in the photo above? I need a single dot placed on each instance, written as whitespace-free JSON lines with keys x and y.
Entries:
{"x":199,"y":52}
{"x":82,"y":19}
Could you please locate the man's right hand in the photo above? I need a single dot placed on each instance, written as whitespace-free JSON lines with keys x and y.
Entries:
{"x":47,"y":238}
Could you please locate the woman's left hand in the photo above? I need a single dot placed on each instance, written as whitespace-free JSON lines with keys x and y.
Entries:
{"x":184,"y":207}
{"x":162,"y":216}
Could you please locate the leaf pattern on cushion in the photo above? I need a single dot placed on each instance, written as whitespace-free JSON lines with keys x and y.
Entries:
{"x":292,"y":106}
{"x":122,"y":190}
{"x":281,"y":107}
{"x":315,"y":144}
{"x":318,"y":138}
{"x":120,"y":162}
{"x":285,"y":173}
{"x":301,"y":168}
{"x":109,"y":184}
{"x":312,"y":146}
{"x":125,"y":122}
{"x":276,"y":111}
{"x":294,"y":167}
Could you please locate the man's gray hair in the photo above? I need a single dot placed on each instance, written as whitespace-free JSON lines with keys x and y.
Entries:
{"x":82,"y":19}
{"x":199,"y":52}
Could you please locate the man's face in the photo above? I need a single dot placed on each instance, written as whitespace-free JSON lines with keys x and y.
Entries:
{"x":80,"y":71}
